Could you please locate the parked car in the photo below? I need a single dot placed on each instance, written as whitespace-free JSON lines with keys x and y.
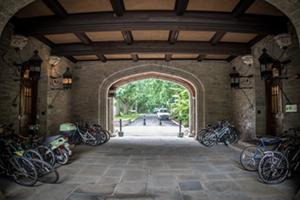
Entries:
{"x":163,"y":114}
{"x":155,"y":110}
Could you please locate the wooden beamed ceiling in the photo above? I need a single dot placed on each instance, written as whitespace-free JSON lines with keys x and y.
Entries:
{"x":120,"y":34}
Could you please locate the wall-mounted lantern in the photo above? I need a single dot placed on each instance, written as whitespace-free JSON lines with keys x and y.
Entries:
{"x":234,"y":78}
{"x":67,"y":79}
{"x":58,"y":81}
{"x":238,"y":81}
{"x":35,"y":63}
{"x":271,"y":68}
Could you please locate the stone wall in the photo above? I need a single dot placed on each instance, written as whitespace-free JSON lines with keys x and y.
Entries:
{"x":252,"y":122}
{"x":243,"y":101}
{"x":9,"y":85}
{"x":291,"y":86}
{"x":88,"y":76}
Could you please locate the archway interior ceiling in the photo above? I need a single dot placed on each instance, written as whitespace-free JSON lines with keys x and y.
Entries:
{"x":155,"y":75}
{"x":104,"y":30}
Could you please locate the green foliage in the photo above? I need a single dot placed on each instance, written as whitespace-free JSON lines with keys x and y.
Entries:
{"x":131,"y":116}
{"x":145,"y":95}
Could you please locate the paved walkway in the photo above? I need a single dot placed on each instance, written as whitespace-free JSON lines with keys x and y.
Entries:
{"x":152,"y":127}
{"x":150,"y":168}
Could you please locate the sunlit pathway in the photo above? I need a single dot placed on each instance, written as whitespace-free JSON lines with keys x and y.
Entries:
{"x":149,"y":168}
{"x":152,"y":127}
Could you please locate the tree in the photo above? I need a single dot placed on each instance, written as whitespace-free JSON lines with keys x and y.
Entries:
{"x":153,"y":93}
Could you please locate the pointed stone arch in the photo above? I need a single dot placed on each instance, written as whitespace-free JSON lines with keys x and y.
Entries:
{"x":186,"y":79}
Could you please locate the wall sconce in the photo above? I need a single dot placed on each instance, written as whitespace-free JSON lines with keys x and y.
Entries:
{"x":32,"y":67}
{"x":238,"y":81}
{"x":58,"y":81}
{"x":273,"y":69}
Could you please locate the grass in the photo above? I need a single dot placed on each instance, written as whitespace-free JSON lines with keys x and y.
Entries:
{"x":131,"y":117}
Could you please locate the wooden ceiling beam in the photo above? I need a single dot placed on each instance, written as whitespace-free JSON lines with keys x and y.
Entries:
{"x":83,"y":37}
{"x":45,"y":40}
{"x":180,"y":6}
{"x":201,"y":57}
{"x":56,"y":8}
{"x":217,"y":37}
{"x":150,"y":47}
{"x":118,"y":7}
{"x":135,"y":57}
{"x":241,"y":7}
{"x":72,"y":59}
{"x":128,"y":38}
{"x":230,"y":58}
{"x":160,"y":20}
{"x":256,"y":39}
{"x":168,"y":57}
{"x":173,"y":35}
{"x":101,"y":57}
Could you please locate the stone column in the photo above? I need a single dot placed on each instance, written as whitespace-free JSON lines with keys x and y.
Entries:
{"x":110,"y":104}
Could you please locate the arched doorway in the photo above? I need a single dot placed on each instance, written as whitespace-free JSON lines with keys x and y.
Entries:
{"x":187,"y":80}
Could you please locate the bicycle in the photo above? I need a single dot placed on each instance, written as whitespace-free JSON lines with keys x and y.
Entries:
{"x":275,"y":167}
{"x":223,"y":131}
{"x":19,"y":168}
{"x":77,"y":136}
{"x":250,"y":156}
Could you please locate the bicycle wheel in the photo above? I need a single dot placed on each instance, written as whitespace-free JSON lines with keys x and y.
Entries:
{"x":200,"y":135}
{"x":250,"y":157}
{"x":46,"y":172}
{"x":273,"y":168}
{"x":107,"y":135}
{"x":93,"y":139}
{"x":209,"y":139}
{"x":233,"y":136}
{"x":102,"y":137}
{"x":61,"y":156}
{"x":47,"y":154}
{"x":32,"y":154}
{"x":23,"y":171}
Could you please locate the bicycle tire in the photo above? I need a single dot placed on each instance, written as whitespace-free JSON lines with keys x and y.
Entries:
{"x":46,"y":172}
{"x":250,"y":157}
{"x":32,"y":154}
{"x":61,"y":156}
{"x":273,"y":168}
{"x":107,"y":136}
{"x":47,"y":154}
{"x":23,"y":166}
{"x":209,"y":139}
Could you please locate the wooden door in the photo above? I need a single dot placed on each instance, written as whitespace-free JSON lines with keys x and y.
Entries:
{"x":274,"y":108}
{"x":28,"y":101}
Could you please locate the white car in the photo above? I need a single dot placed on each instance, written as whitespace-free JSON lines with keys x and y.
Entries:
{"x":163,"y":114}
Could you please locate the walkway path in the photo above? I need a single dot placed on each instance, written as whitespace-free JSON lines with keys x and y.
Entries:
{"x":152,"y":168}
{"x":152,"y":127}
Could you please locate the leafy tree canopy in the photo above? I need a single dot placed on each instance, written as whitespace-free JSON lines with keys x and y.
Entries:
{"x":145,"y":95}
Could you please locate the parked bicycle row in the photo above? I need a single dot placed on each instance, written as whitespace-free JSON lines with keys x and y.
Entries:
{"x":220,"y":132}
{"x":275,"y":159}
{"x":32,"y":158}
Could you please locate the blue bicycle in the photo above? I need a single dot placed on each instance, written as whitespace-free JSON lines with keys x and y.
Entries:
{"x":251,"y":155}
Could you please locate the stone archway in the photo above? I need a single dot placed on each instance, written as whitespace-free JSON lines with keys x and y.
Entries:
{"x":291,"y":8}
{"x":182,"y":77}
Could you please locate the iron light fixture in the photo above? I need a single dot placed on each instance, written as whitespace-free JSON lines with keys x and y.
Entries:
{"x":59,"y":81}
{"x":272,"y":69}
{"x":35,"y":63}
{"x":33,"y":66}
{"x":238,"y":81}
{"x":67,"y":79}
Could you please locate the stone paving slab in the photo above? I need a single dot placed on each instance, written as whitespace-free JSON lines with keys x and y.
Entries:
{"x":148,"y":168}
